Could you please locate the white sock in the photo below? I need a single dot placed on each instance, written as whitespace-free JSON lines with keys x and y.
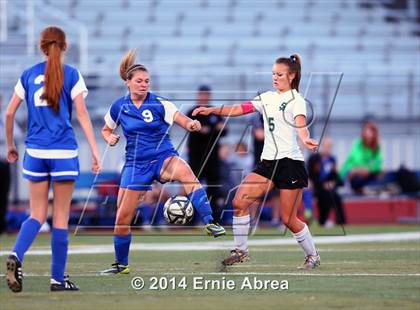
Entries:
{"x":304,"y":238}
{"x":240,"y":231}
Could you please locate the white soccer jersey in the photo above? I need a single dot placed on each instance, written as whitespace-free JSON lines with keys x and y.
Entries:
{"x":279,"y":112}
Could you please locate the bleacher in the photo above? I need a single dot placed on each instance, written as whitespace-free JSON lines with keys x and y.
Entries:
{"x":231,"y":45}
{"x":184,"y":42}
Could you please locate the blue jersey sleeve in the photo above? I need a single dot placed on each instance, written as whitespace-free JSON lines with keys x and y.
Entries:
{"x":112,"y":116}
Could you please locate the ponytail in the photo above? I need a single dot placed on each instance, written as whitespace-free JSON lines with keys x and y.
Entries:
{"x":128,"y":65}
{"x":296,"y":68}
{"x":54,"y":77}
{"x":53,"y":44}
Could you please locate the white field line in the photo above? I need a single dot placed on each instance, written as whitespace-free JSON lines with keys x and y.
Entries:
{"x":224,"y":245}
{"x":232,"y":274}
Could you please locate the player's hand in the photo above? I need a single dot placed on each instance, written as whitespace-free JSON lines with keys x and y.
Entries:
{"x":201,"y":111}
{"x":311,"y":144}
{"x":12,"y":155}
{"x":113,"y":139}
{"x":194,"y":125}
{"x":96,"y":163}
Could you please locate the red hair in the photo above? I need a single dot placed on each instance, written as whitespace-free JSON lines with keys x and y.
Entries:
{"x":53,"y":43}
{"x":373,"y":144}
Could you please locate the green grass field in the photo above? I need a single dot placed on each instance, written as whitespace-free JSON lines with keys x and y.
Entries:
{"x":366,"y":275}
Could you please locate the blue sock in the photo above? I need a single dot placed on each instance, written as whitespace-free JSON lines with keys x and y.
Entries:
{"x":201,"y":203}
{"x":59,"y":246}
{"x":26,"y":236}
{"x":122,"y":247}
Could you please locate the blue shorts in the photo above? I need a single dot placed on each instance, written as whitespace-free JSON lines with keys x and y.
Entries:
{"x":139,"y":176}
{"x":41,"y":169}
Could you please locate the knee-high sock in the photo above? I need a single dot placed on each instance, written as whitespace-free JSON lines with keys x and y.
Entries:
{"x":122,"y":248}
{"x":240,"y":231}
{"x":59,"y":247}
{"x":201,"y":203}
{"x":304,"y":238}
{"x":27,"y":234}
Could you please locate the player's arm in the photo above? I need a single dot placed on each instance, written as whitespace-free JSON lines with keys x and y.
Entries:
{"x":229,"y":110}
{"x":84,"y":121}
{"x":108,"y":135}
{"x":303,"y":132}
{"x":186,"y":122}
{"x":12,"y":153}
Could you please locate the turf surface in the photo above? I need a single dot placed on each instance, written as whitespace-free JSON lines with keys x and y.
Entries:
{"x":357,"y":275}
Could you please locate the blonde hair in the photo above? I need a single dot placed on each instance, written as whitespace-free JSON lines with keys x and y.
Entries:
{"x":128,"y":65}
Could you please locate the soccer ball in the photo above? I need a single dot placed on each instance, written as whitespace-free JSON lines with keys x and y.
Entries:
{"x":178,"y":210}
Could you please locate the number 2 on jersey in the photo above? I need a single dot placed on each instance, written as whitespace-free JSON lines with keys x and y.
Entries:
{"x":271,"y":124}
{"x":37,"y":95}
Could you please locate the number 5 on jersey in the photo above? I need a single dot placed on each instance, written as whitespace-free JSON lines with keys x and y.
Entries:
{"x":271,"y":124}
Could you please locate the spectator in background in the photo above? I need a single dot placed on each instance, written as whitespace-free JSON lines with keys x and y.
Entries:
{"x":258,"y":135}
{"x":234,"y":165}
{"x":243,"y":163}
{"x":203,"y":148}
{"x":151,"y":207}
{"x":4,"y":172}
{"x":226,"y":167}
{"x":325,"y":179}
{"x":364,"y":162}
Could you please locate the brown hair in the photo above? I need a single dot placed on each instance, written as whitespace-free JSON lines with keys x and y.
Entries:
{"x":128,"y":65}
{"x":52,"y":43}
{"x":294,"y":64}
{"x":374,"y":143}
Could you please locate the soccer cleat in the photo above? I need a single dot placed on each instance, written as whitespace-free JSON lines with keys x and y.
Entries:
{"x":14,"y":275}
{"x":311,"y":262}
{"x":117,"y":268}
{"x":66,"y":285}
{"x":214,"y":229}
{"x":236,"y":256}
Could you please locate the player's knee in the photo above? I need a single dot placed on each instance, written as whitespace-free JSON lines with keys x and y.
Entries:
{"x":239,"y":204}
{"x":121,"y":230}
{"x":286,"y":219}
{"x":186,"y":175}
{"x":41,"y":218}
{"x":123,"y":218}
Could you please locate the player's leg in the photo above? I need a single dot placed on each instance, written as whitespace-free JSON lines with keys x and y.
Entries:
{"x":251,"y":189}
{"x":62,"y":191}
{"x":38,"y":204}
{"x":290,"y":200}
{"x":212,"y":176}
{"x":64,"y":172}
{"x":127,"y":202}
{"x":175,"y":168}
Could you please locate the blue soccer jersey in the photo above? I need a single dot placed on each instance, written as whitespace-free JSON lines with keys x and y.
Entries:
{"x":145,"y":128}
{"x":48,"y":130}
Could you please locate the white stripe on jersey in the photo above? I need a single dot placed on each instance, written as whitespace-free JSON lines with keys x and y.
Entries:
{"x":79,"y":87}
{"x":170,"y":110}
{"x":52,"y":154}
{"x":109,"y":121}
{"x":35,"y":174}
{"x":62,"y":173}
{"x":19,"y":90}
{"x":279,"y":112}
